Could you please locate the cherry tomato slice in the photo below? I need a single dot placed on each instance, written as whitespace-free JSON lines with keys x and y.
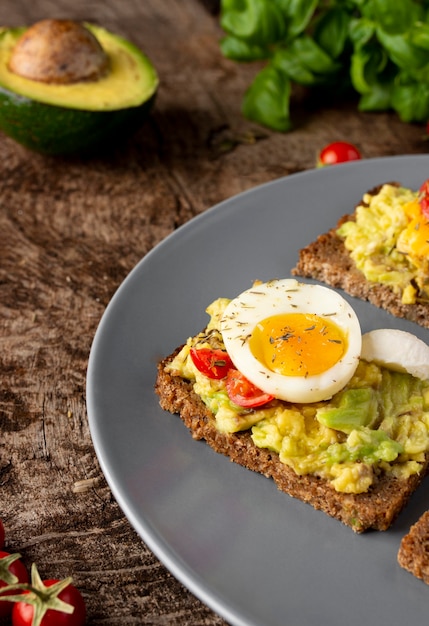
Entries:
{"x":22,"y":614}
{"x":16,"y":568}
{"x":212,"y":363}
{"x":244,"y":393}
{"x":338,"y":152}
{"x":424,"y":198}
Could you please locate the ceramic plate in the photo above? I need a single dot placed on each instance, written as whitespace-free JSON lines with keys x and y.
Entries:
{"x":251,"y":553}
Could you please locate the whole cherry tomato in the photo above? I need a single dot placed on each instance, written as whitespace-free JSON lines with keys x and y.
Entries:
{"x":22,"y":614}
{"x":2,"y":535}
{"x":338,"y":152}
{"x":12,"y":571}
{"x":244,"y":393}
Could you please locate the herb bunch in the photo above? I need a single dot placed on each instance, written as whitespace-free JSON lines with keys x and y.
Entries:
{"x":378,"y":49}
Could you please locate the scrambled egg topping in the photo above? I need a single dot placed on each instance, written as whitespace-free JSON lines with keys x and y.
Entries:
{"x":379,"y":423}
{"x":389,"y":242}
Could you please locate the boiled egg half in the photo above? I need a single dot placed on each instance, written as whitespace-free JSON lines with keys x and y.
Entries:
{"x":397,"y":350}
{"x":296,"y":341}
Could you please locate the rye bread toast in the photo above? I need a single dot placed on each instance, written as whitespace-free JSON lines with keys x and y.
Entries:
{"x":376,"y":509}
{"x":326,"y":259}
{"x":413,"y":553}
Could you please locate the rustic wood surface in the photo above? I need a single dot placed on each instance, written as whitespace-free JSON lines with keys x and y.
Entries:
{"x":71,"y":230}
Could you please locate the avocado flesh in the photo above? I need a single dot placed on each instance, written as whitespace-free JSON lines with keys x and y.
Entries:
{"x":80,"y":117}
{"x":131,"y":80}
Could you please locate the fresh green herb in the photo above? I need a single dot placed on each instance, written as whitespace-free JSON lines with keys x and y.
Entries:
{"x":377,"y":48}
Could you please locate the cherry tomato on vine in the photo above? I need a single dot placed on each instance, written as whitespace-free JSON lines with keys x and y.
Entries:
{"x":22,"y":614}
{"x":2,"y":535}
{"x":212,"y":363}
{"x":338,"y":152}
{"x":424,"y":198}
{"x":244,"y":393}
{"x":12,"y":571}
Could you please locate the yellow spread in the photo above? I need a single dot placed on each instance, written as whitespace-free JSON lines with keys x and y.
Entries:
{"x":389,"y":242}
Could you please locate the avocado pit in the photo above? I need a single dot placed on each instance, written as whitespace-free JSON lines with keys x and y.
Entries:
{"x":60,"y":52}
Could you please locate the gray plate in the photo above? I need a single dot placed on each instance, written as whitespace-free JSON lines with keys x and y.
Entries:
{"x":253,"y":554}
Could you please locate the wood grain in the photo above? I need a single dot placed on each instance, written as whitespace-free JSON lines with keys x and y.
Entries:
{"x":71,"y":230}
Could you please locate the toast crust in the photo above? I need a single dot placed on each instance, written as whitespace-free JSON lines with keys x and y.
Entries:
{"x":413,"y":553}
{"x":375,"y":509}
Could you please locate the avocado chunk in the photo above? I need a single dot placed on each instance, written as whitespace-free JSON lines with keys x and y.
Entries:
{"x":67,"y":87}
{"x":356,"y":407}
{"x":366,"y":446}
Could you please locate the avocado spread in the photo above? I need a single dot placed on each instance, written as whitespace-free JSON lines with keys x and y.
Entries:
{"x":379,"y":423}
{"x":388,"y":241}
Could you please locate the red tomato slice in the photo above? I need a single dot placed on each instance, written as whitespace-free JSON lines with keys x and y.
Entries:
{"x":212,"y":363}
{"x":338,"y":152}
{"x":244,"y":393}
{"x":424,"y":198}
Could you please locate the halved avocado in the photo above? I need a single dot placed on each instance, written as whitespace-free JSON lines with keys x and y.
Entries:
{"x":78,"y":115}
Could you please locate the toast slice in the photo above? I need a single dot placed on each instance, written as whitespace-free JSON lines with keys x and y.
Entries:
{"x":326,"y":259}
{"x":375,"y":509}
{"x":413,"y":553}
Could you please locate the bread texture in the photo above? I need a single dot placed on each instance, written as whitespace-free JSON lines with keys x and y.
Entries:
{"x":326,"y":259}
{"x":376,"y":509}
{"x":413,"y":553}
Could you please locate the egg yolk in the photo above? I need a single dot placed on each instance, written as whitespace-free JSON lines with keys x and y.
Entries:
{"x":297,"y":344}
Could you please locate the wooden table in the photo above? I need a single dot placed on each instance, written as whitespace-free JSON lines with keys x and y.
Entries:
{"x":71,"y":230}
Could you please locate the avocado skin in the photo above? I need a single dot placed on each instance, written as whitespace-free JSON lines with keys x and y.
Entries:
{"x":54,"y":130}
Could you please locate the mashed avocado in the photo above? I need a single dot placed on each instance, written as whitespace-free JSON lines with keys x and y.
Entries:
{"x":388,"y":241}
{"x":378,"y":423}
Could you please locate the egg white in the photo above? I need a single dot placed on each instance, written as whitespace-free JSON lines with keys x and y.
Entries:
{"x":290,"y":296}
{"x":397,"y":350}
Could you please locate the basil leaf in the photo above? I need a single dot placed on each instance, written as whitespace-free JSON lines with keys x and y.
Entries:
{"x":411,"y":101}
{"x":267,"y":99}
{"x":366,"y":65}
{"x":372,"y":76}
{"x":361,"y":31}
{"x":291,"y":65}
{"x":401,"y":50}
{"x":256,"y":21}
{"x":313,"y":56}
{"x":378,"y":99}
{"x":331,"y":31}
{"x":419,"y":35}
{"x":394,"y":16}
{"x":298,"y":14}
{"x":305,"y":63}
{"x":239,"y":50}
